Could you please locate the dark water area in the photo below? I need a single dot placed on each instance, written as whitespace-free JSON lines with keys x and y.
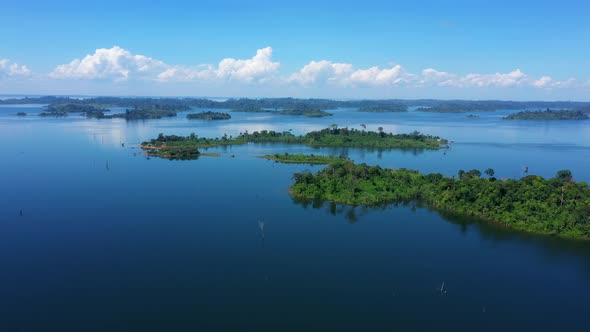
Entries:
{"x":94,"y":236}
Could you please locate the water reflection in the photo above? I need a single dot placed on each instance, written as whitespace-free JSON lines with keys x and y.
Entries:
{"x":555,"y":249}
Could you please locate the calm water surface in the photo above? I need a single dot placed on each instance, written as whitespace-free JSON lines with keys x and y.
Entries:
{"x":112,"y":241}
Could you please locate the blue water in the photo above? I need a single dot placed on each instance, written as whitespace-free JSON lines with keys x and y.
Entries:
{"x":112,"y":241}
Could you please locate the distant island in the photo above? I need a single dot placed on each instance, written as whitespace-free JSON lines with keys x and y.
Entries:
{"x":296,"y":104}
{"x":557,"y":206}
{"x":164,"y":146}
{"x":462,"y":107}
{"x":310,"y":159}
{"x":472,"y":116}
{"x":74,"y":107}
{"x":312,"y":113}
{"x":209,"y":116}
{"x":21,"y":114}
{"x":548,"y":115}
{"x":385,"y":108}
{"x":53,"y":114}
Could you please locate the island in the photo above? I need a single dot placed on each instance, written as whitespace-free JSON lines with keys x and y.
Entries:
{"x":209,"y":116}
{"x":329,"y":137}
{"x":133,"y":114}
{"x":557,"y":206}
{"x":461,"y":107}
{"x":384,"y":108}
{"x":53,"y":114}
{"x":21,"y":114}
{"x":311,"y":113}
{"x":310,"y":159}
{"x":293,"y":106}
{"x":548,"y":115}
{"x":472,"y":116}
{"x":75,"y":107}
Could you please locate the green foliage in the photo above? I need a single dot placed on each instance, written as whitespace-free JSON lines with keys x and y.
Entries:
{"x":53,"y":114}
{"x":143,"y":114}
{"x":303,"y":159}
{"x":333,"y":136}
{"x":556,"y":206}
{"x":209,"y":116}
{"x":384,"y":108}
{"x":180,"y":104}
{"x":311,"y":113}
{"x":548,"y":115}
{"x":75,"y":107}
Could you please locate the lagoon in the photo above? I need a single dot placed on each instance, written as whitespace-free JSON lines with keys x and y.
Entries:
{"x":154,"y":244}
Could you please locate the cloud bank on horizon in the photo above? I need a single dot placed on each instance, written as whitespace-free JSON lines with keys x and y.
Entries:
{"x":116,"y":65}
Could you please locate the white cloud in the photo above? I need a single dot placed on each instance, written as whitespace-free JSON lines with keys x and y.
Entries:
{"x":542,"y":82}
{"x":321,"y":71}
{"x":119,"y":64}
{"x":258,"y":68}
{"x":511,"y":79}
{"x":11,"y":69}
{"x":430,"y":75}
{"x":344,"y":74}
{"x":114,"y":63}
{"x":377,"y":76}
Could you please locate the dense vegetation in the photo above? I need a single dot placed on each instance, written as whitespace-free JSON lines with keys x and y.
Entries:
{"x":303,"y":159}
{"x":312,"y":113}
{"x":334,"y":136}
{"x":53,"y":114}
{"x":70,"y":107}
{"x":558,"y":206}
{"x":209,"y":116}
{"x":460,"y":107}
{"x":307,"y":113}
{"x":133,"y":114}
{"x":583,"y":109}
{"x":384,"y":108}
{"x":548,"y":115}
{"x":182,"y":104}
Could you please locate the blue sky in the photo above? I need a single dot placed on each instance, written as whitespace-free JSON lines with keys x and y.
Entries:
{"x":366,"y":49}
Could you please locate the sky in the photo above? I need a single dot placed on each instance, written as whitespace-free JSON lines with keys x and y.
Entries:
{"x":518,"y":50}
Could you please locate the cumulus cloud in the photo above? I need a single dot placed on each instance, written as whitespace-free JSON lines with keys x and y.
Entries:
{"x":511,"y":79}
{"x":11,"y":69}
{"x":542,"y":82}
{"x":113,"y":63}
{"x":377,"y":76}
{"x":514,"y":78}
{"x":344,"y":74}
{"x":321,"y":71}
{"x":119,"y":64}
{"x":258,"y":68}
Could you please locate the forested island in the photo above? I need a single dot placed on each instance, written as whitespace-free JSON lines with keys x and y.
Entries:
{"x":461,"y":107}
{"x":72,"y":107}
{"x":310,"y":159}
{"x":53,"y":114}
{"x":557,"y":206}
{"x":209,"y":116}
{"x":384,"y":108}
{"x":163,"y":146}
{"x":311,"y":113}
{"x":548,"y":115}
{"x":278,"y":104}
